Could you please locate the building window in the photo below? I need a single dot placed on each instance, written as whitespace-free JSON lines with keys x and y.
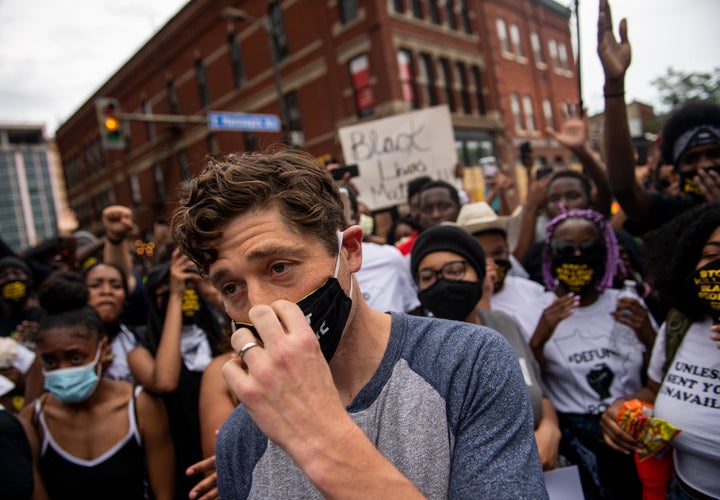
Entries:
{"x":516,"y":42}
{"x":397,"y":6}
{"x":149,"y":126}
{"x":135,"y":189}
{"x":159,"y":182}
{"x":536,"y":48}
{"x":566,"y":110}
{"x":465,"y":16}
{"x":477,"y":80}
{"x":348,"y":10}
{"x":427,"y":80}
{"x":450,"y":14}
{"x":407,"y":78}
{"x":279,"y":37}
{"x":202,"y":84}
{"x":464,"y":90}
{"x":447,"y":83}
{"x":516,"y":112}
{"x":434,"y":11}
{"x":552,"y":48}
{"x":563,"y":57}
{"x":502,"y":35}
{"x":548,"y":112}
{"x":184,"y":165}
{"x":172,"y":97}
{"x":360,"y":78}
{"x":236,"y":60}
{"x":529,"y":114}
{"x":416,"y":9}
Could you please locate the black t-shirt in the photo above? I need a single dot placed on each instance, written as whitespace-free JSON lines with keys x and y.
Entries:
{"x":16,"y":474}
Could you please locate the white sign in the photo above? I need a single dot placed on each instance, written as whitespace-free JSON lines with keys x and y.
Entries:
{"x":392,"y":151}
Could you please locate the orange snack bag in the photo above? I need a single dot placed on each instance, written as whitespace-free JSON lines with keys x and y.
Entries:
{"x":636,"y":418}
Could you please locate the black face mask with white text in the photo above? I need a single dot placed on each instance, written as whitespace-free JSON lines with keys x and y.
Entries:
{"x":326,"y":309}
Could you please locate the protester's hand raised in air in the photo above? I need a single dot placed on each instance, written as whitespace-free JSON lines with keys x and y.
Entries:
{"x":615,"y":56}
{"x":182,"y":271}
{"x":118,"y":221}
{"x":572,"y":134}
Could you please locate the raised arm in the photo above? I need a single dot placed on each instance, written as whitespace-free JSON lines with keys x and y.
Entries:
{"x":573,"y":135}
{"x":619,"y":151}
{"x":162,"y":373}
{"x":118,"y":223}
{"x":534,"y":205}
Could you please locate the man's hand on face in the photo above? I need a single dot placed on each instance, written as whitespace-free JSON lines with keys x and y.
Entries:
{"x":284,"y":383}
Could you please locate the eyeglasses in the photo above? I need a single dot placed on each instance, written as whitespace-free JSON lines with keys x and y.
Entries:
{"x":452,"y":271}
{"x":590,"y":248}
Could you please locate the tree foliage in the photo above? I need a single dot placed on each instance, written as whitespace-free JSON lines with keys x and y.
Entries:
{"x":677,"y":87}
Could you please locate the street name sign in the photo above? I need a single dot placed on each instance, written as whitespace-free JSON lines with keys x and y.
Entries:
{"x":250,"y":122}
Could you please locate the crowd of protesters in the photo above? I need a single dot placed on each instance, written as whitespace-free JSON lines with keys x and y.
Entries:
{"x":116,"y":378}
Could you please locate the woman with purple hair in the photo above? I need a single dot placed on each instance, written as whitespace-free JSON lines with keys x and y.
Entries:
{"x":582,"y":371}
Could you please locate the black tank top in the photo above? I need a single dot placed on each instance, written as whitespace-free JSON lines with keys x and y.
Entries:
{"x":118,"y":473}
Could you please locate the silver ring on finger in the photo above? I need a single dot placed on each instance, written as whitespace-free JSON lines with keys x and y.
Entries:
{"x":246,"y":348}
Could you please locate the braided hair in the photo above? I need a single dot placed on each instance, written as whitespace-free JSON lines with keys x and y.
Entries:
{"x":613,"y":262}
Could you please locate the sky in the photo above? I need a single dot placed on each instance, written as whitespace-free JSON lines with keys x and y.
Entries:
{"x":55,"y":54}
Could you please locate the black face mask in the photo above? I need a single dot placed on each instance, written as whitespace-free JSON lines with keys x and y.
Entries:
{"x":451,"y":299}
{"x":15,"y":292}
{"x":689,"y":186}
{"x":706,"y":286}
{"x":503,"y":266}
{"x":577,"y":274}
{"x":692,"y":188}
{"x":327,"y":310}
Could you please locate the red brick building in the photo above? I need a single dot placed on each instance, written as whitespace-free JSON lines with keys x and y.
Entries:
{"x":504,"y":68}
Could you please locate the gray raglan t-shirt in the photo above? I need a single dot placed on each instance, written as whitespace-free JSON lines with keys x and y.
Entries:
{"x":447,"y":406}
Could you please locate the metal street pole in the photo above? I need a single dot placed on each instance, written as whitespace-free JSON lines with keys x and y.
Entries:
{"x":233,"y":14}
{"x":579,"y":74}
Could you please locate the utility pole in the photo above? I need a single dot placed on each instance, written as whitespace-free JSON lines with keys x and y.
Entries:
{"x":579,"y":73}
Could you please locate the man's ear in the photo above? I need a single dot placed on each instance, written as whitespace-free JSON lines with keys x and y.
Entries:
{"x":352,"y":243}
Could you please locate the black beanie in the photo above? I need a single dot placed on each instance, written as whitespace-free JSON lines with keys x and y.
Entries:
{"x":12,"y":261}
{"x":448,"y":238}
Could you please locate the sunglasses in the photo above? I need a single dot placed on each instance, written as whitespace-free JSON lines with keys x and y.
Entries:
{"x":590,"y":248}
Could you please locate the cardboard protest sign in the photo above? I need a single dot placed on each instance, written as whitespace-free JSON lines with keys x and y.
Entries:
{"x":392,"y":151}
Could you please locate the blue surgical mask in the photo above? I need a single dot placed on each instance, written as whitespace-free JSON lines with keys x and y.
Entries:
{"x":74,"y":384}
{"x":326,"y":309}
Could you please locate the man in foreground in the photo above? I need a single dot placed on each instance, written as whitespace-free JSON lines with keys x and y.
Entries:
{"x":390,"y":406}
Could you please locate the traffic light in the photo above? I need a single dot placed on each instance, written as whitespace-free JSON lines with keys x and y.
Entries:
{"x":111,"y":128}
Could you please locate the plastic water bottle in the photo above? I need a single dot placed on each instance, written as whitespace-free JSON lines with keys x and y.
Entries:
{"x":622,"y":337}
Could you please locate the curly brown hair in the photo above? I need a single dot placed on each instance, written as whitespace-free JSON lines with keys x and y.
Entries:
{"x":290,"y":180}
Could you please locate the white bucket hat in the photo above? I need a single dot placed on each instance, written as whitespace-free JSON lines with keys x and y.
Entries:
{"x":478,"y":217}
